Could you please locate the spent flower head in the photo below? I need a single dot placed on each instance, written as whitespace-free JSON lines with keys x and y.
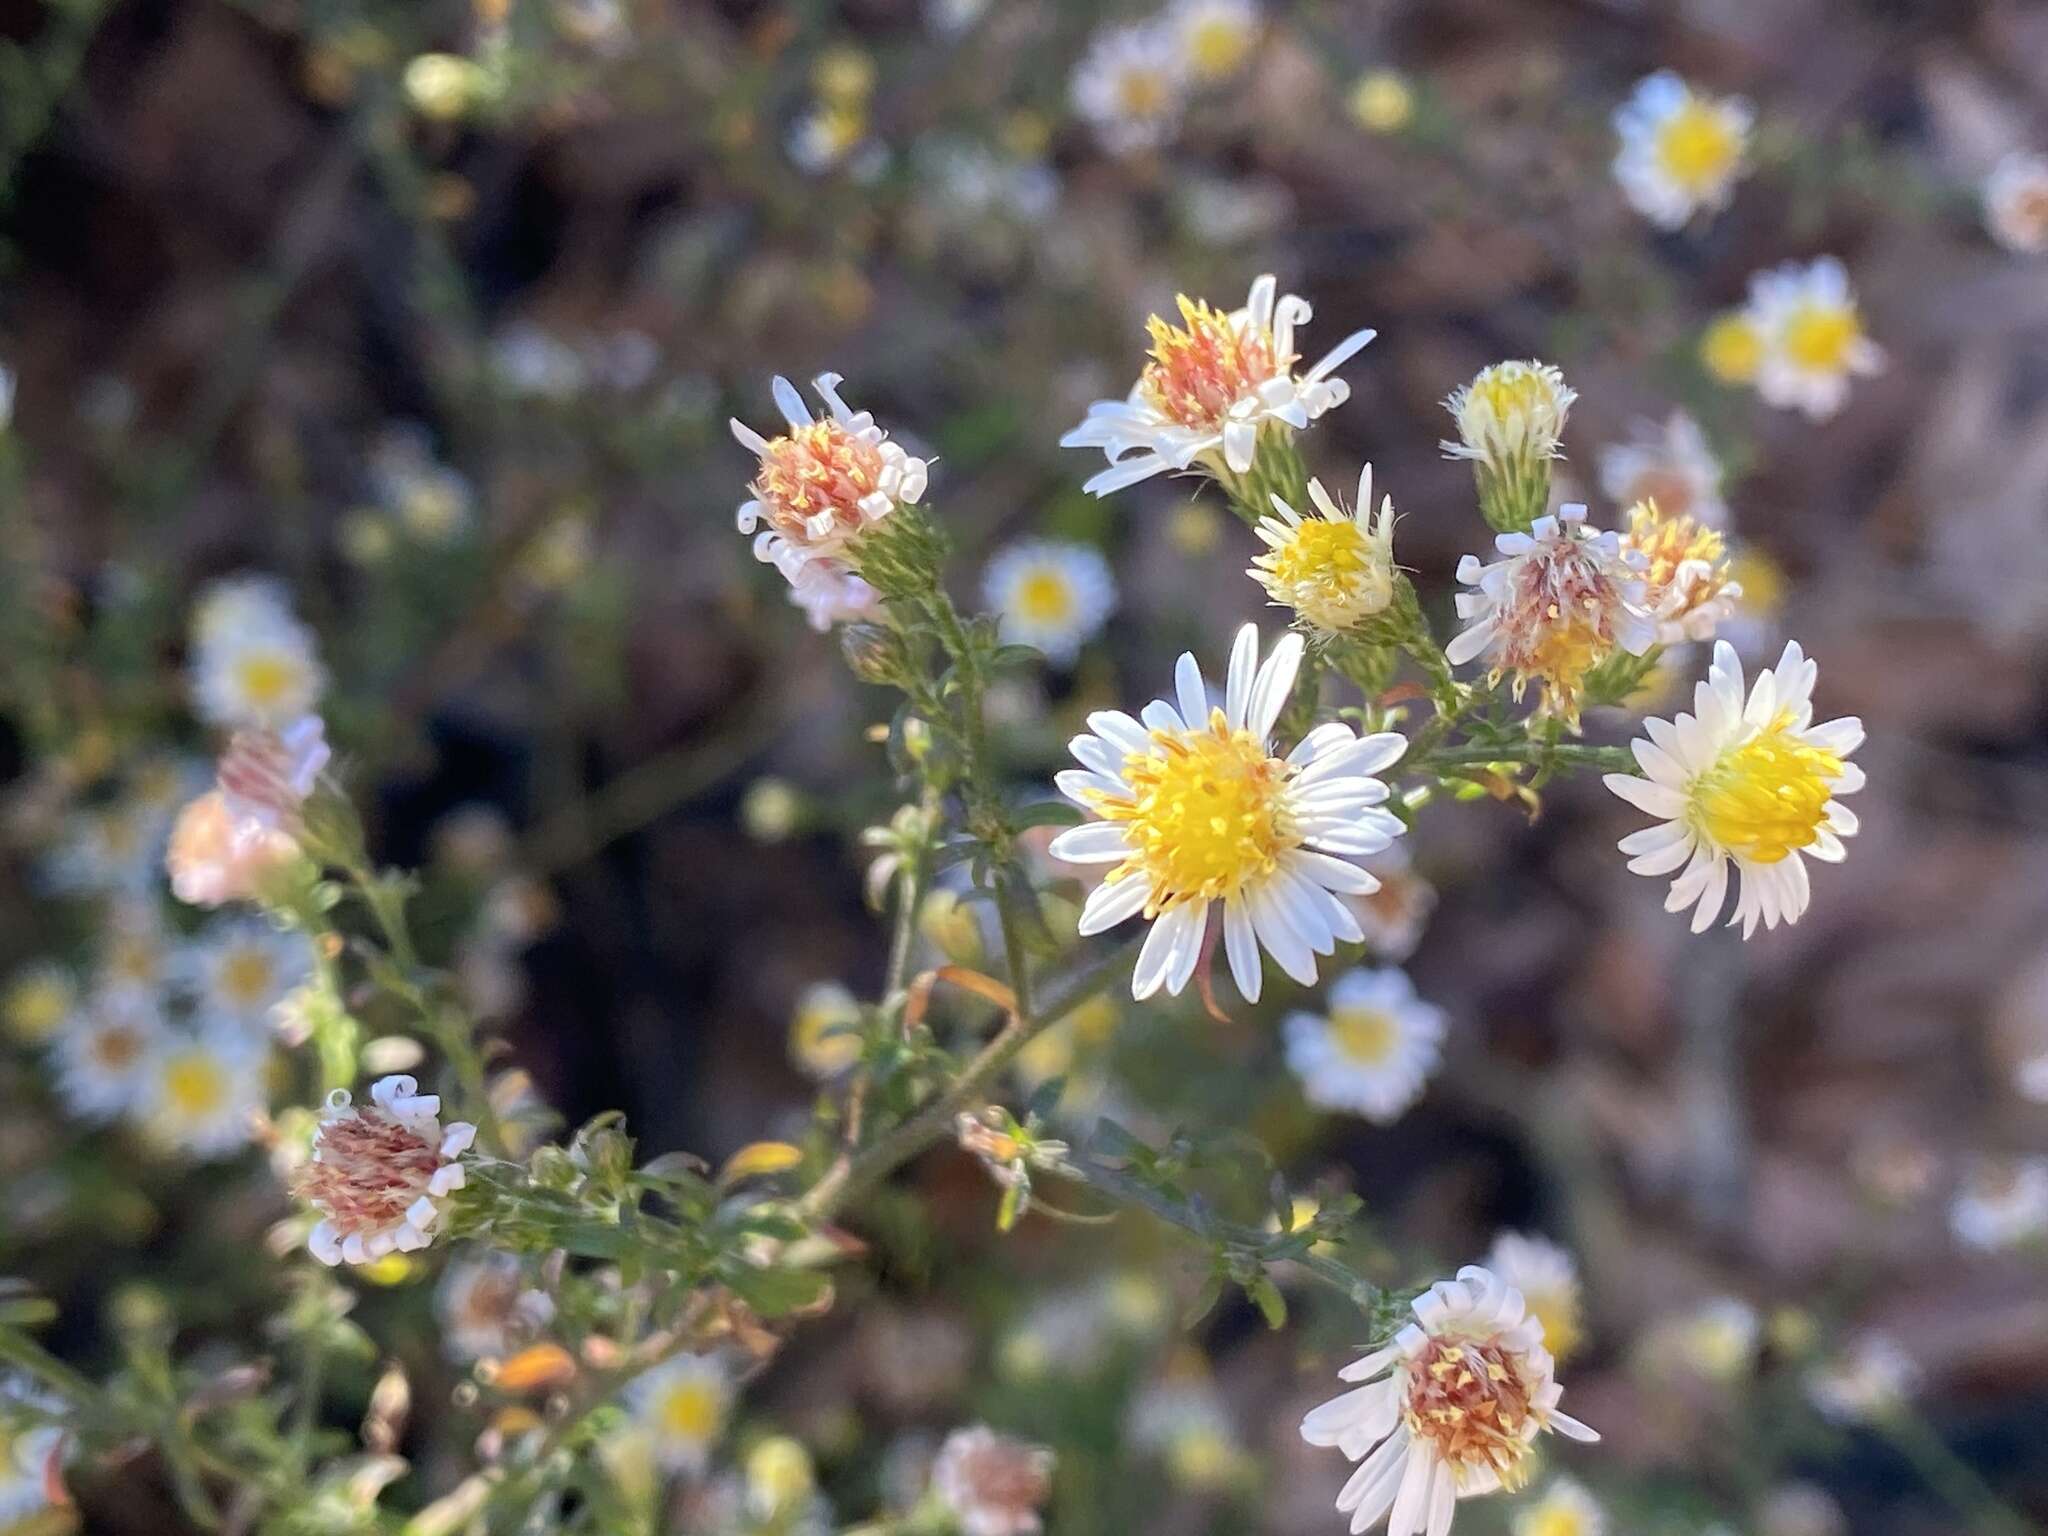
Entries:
{"x":381,"y":1172}
{"x":991,"y":1484}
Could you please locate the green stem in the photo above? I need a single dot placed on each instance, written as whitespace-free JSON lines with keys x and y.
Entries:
{"x":1961,"y":1485}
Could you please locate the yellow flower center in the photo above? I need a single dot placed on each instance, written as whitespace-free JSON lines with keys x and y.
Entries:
{"x":690,"y":1410}
{"x":1043,"y":597}
{"x":1330,"y":572}
{"x":266,"y":677}
{"x":1766,"y":797}
{"x":246,"y":977}
{"x":1382,"y":102}
{"x":1818,"y":337}
{"x":1366,"y":1036}
{"x":1762,"y":580}
{"x":1553,"y":1519}
{"x":1205,"y":365}
{"x":1697,"y":147}
{"x":1142,"y":93}
{"x":196,"y":1085}
{"x":1216,"y":45}
{"x":1559,"y":1315}
{"x":1509,"y":392}
{"x":1205,"y":815}
{"x":1732,"y":348}
{"x":1671,"y":542}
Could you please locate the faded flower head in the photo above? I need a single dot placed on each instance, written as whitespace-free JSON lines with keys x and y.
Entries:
{"x":822,"y":483}
{"x":1681,"y":152}
{"x":379,"y":1172}
{"x":2016,"y":202}
{"x":1334,"y":568}
{"x":1670,"y":463}
{"x":1748,"y":784}
{"x":830,"y":594}
{"x":1562,"y":598}
{"x":1688,"y":588}
{"x":486,"y":1307}
{"x":1452,"y":1409}
{"x":228,"y":841}
{"x":992,"y":1485}
{"x":1214,"y":382}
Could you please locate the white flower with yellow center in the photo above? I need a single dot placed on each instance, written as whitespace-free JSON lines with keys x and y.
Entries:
{"x":824,"y":1033}
{"x":2002,"y":1204}
{"x":683,"y":1405}
{"x":1565,"y":1508}
{"x":1548,"y":1279}
{"x":1668,"y":463}
{"x":111,"y":848}
{"x":1510,"y":413}
{"x":1371,"y":1050}
{"x":1562,"y":597}
{"x":1750,"y":785}
{"x":1335,"y":569}
{"x":1813,"y":339}
{"x":1196,"y":811}
{"x":1714,"y":1342}
{"x":1051,"y":596}
{"x":29,"y":1442}
{"x":202,"y":1093}
{"x":241,"y":968}
{"x":258,"y":674}
{"x":821,"y":484}
{"x":1131,"y":85}
{"x":1214,"y":382}
{"x":2016,"y":202}
{"x":1681,"y":152}
{"x":1461,"y":1395}
{"x":1216,"y":36}
{"x":103,"y":1053}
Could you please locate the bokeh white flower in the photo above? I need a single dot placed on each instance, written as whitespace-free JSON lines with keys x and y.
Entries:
{"x":1131,"y":86}
{"x":2016,"y":202}
{"x":203,"y":1091}
{"x":1050,"y":595}
{"x":991,"y":1484}
{"x":2003,"y":1203}
{"x":1813,"y":337}
{"x":1564,"y":1508}
{"x":1682,"y":151}
{"x":1372,"y":1048}
{"x":683,"y":1405}
{"x":1670,"y":463}
{"x":1548,"y":1278}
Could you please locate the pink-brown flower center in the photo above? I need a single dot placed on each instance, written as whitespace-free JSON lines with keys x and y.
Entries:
{"x":1470,"y":1401}
{"x":1205,"y":365}
{"x":368,"y":1167}
{"x":817,"y":469}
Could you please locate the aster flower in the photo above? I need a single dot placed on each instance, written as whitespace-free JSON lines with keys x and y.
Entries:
{"x":104,"y":1051}
{"x":1216,"y":36}
{"x":1681,"y":152}
{"x":990,"y":1484}
{"x":242,"y":968}
{"x":30,"y":1448}
{"x":1561,"y":598}
{"x":1548,"y":1279}
{"x":1195,"y":810}
{"x":1051,"y":596}
{"x":1371,"y":1050}
{"x":1183,"y":1420}
{"x":380,"y":1172}
{"x":1453,"y":1404}
{"x":2016,"y":202}
{"x":822,"y":483}
{"x":2002,"y":1204}
{"x":135,"y":952}
{"x":1753,"y":785}
{"x":683,"y":1404}
{"x":1335,"y":569}
{"x":1131,"y":85}
{"x":1687,"y":586}
{"x":487,"y":1309}
{"x":108,"y":849}
{"x":1668,"y":463}
{"x":1565,"y":1508}
{"x":202,"y":1093}
{"x":1214,"y":383}
{"x":1813,"y":337}
{"x":253,"y":665}
{"x":1510,"y":420}
{"x":229,"y":840}
{"x":1715,"y":1341}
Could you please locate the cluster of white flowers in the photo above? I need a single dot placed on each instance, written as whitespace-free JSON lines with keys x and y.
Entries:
{"x":1134,"y":82}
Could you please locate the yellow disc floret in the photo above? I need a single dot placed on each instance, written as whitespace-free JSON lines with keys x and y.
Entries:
{"x":1767,"y":796}
{"x":1697,"y":147}
{"x":1330,"y":572}
{"x":1820,"y":337}
{"x":1206,"y":814}
{"x":1366,"y":1036}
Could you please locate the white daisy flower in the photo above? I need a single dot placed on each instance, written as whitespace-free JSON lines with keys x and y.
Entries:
{"x":1195,"y":810}
{"x":242,"y":967}
{"x":1336,"y":568}
{"x":29,"y":1444}
{"x":1681,"y":152}
{"x":1465,"y":1390}
{"x":683,"y":1405}
{"x":991,"y":1484}
{"x":829,"y":594}
{"x":2002,"y":1204}
{"x":1215,"y":36}
{"x":379,"y":1172}
{"x":1687,"y":586}
{"x":1871,"y":1379}
{"x":1812,"y":334}
{"x":487,"y":1309}
{"x":1548,"y":1279}
{"x":262,"y":674}
{"x":1131,"y":85}
{"x":2016,"y":202}
{"x":1052,"y":596}
{"x":1754,"y":785}
{"x":202,"y":1093}
{"x":821,"y":484}
{"x":1715,"y":1341}
{"x":233,"y":604}
{"x":1371,"y":1050}
{"x":1565,"y":1508}
{"x":1670,"y":464}
{"x":104,"y":1051}
{"x":1562,"y":596}
{"x":1214,"y":382}
{"x":108,"y":849}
